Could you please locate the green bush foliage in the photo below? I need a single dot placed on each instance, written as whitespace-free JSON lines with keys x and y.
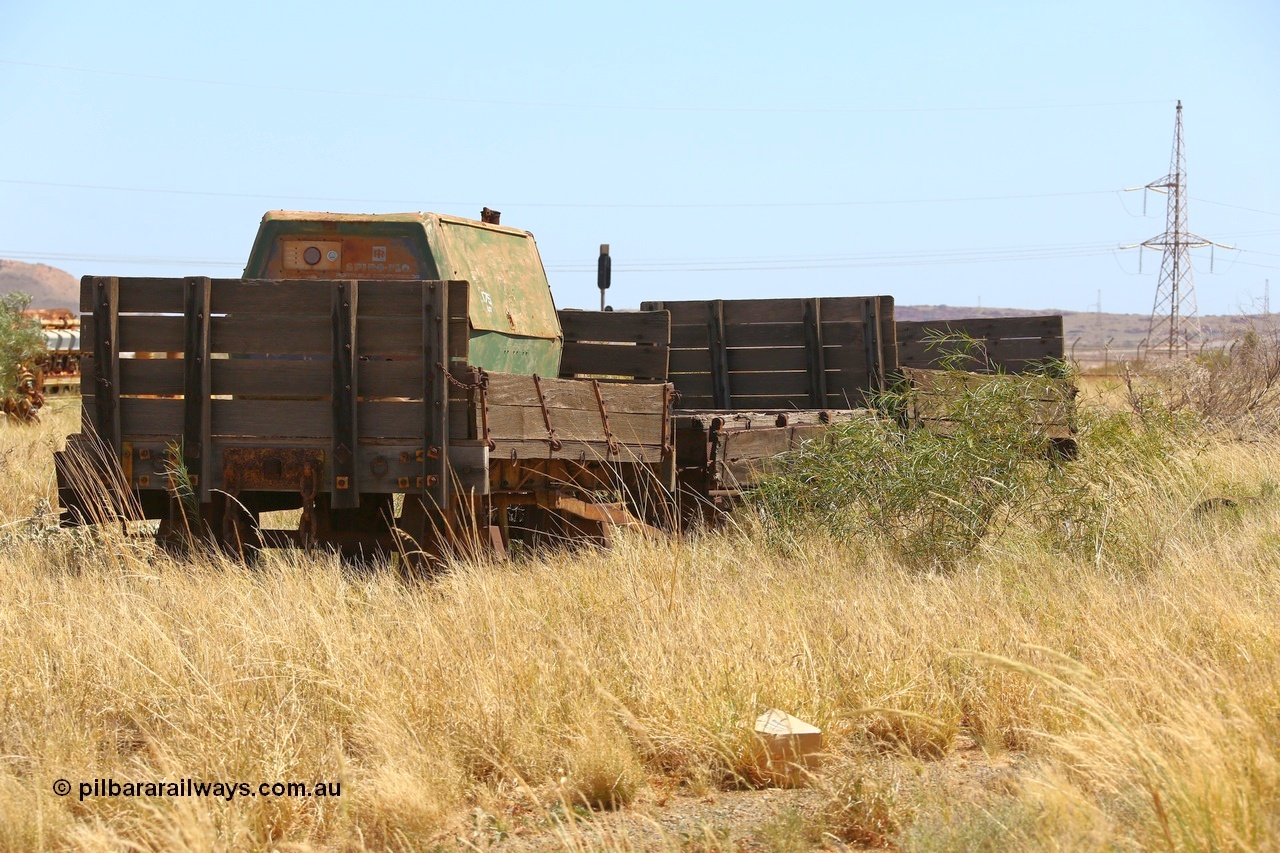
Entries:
{"x":22,"y":342}
{"x":934,"y":496}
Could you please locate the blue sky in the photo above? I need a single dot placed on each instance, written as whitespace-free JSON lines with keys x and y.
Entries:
{"x":939,"y":152}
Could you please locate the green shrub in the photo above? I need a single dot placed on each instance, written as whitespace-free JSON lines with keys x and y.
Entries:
{"x":933,"y":496}
{"x":22,"y":343}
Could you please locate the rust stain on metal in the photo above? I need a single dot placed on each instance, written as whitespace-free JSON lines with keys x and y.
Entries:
{"x":271,"y":468}
{"x":604,"y":419}
{"x":554,"y":442}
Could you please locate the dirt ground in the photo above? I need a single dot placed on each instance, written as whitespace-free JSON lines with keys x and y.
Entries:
{"x":679,"y":818}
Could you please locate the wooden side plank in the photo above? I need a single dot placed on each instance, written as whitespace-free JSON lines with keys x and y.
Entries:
{"x":748,"y":311}
{"x":250,"y":296}
{"x":154,"y":295}
{"x":269,"y":335}
{"x":1050,"y":326}
{"x":164,"y":377}
{"x":270,"y":419}
{"x":640,"y":327}
{"x":506,"y":389}
{"x":646,"y":362}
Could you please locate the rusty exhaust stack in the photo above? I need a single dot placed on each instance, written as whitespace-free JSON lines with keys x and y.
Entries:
{"x":490,"y":217}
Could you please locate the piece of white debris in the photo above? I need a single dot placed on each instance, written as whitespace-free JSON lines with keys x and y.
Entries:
{"x":786,"y":747}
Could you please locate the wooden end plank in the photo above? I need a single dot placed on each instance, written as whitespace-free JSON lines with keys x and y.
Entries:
{"x":642,"y":361}
{"x":640,"y":327}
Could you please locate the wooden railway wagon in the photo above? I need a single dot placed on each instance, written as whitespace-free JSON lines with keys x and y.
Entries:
{"x":361,"y":406}
{"x":407,"y":383}
{"x":395,"y":377}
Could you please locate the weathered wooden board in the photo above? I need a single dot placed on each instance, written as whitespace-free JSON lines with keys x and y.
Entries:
{"x":780,"y":353}
{"x":517,"y":421}
{"x":579,"y":451}
{"x":248,"y":296}
{"x":270,"y":377}
{"x":643,"y":361}
{"x":379,"y":419}
{"x":507,"y":389}
{"x":1002,"y":344}
{"x":525,"y":422}
{"x":786,"y":386}
{"x":641,"y":327}
{"x":380,"y":337}
{"x":619,"y":345}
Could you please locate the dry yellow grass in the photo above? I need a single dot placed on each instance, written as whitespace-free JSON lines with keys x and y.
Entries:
{"x":1140,"y":694}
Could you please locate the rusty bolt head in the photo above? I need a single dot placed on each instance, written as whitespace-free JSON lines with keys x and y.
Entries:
{"x":432,"y":479}
{"x":402,"y":482}
{"x":144,"y":481}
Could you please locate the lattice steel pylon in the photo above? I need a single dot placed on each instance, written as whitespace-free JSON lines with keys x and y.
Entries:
{"x":1175,"y":325}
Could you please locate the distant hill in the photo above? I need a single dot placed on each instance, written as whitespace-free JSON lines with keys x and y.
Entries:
{"x":1088,"y":329}
{"x":48,"y":287}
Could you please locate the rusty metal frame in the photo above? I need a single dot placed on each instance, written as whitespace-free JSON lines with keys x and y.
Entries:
{"x":106,"y":359}
{"x":552,"y":441}
{"x":269,"y":468}
{"x":604,"y":419}
{"x":435,"y":396}
{"x":344,"y":305}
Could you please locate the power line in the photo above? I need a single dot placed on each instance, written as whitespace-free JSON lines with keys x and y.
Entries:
{"x":566,"y":105}
{"x":923,"y":258}
{"x":26,"y":255}
{"x":420,"y":204}
{"x":417,"y":203}
{"x":919,"y":258}
{"x":943,"y":257}
{"x":1236,"y":206}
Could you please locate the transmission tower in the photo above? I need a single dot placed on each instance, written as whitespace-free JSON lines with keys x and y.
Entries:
{"x":1174,"y":323}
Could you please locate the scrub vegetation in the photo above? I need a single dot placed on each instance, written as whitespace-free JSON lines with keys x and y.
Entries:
{"x":1004,"y":650}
